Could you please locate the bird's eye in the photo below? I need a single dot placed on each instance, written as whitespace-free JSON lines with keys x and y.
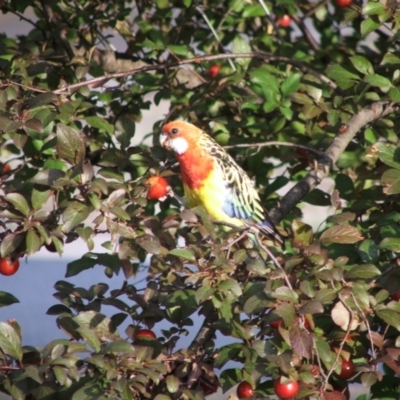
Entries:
{"x":174,"y":131}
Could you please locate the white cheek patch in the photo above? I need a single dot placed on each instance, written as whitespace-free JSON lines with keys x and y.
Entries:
{"x":179,"y":145}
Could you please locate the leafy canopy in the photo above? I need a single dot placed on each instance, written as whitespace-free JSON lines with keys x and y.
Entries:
{"x":326,"y":87}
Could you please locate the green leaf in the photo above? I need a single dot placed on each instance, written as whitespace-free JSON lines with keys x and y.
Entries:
{"x":369,"y":251}
{"x":7,"y":125}
{"x":391,"y":317}
{"x":33,"y":242}
{"x":369,"y":25}
{"x":343,"y":77}
{"x":300,"y":98}
{"x":364,"y":271}
{"x":41,"y":100}
{"x":326,"y":296}
{"x":149,"y":243}
{"x":241,"y":45}
{"x":74,"y":214}
{"x":391,"y":181}
{"x":6,"y":299}
{"x":391,"y":244}
{"x":389,"y":154}
{"x":70,"y":145}
{"x":162,"y":4}
{"x":181,"y":304}
{"x":125,"y":130}
{"x":173,"y":383}
{"x":394,"y":94}
{"x":341,"y":234}
{"x":183,"y":253}
{"x":100,"y":123}
{"x":10,"y":343}
{"x":390,"y":59}
{"x":379,"y":81}
{"x":373,"y":8}
{"x":204,"y":293}
{"x":286,"y":294}
{"x":291,"y":84}
{"x":118,"y":346}
{"x":361,"y":64}
{"x":98,"y":323}
{"x":47,"y":177}
{"x":39,"y":198}
{"x":19,"y":202}
{"x":58,"y":309}
{"x":77,"y":266}
{"x":318,"y":198}
{"x":10,"y":243}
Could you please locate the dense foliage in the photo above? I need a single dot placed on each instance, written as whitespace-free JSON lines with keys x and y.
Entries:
{"x":69,"y":107}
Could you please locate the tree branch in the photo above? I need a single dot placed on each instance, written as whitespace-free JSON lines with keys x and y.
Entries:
{"x":108,"y":63}
{"x":340,"y":142}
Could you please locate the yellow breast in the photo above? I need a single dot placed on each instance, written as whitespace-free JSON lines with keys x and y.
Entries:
{"x":212,"y":196}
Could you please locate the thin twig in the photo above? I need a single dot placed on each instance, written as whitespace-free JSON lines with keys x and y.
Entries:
{"x":276,"y":143}
{"x":264,"y":7}
{"x":365,"y":320}
{"x":338,"y":355}
{"x":213,"y":31}
{"x":275,"y":261}
{"x":11,"y":83}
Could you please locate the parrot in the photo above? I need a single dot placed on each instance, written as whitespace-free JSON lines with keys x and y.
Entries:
{"x":212,"y":179}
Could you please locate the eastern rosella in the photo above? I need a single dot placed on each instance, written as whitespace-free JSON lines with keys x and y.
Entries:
{"x":212,"y":179}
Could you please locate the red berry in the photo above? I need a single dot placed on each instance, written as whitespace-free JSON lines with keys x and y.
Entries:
{"x":158,"y":187}
{"x":145,"y":333}
{"x":284,"y":21}
{"x":276,"y":324}
{"x":213,"y":70}
{"x":343,"y":3}
{"x":6,"y":168}
{"x":244,"y":390}
{"x":286,"y":390}
{"x":342,"y":389}
{"x":347,"y":371}
{"x":8,"y":266}
{"x":396,"y":296}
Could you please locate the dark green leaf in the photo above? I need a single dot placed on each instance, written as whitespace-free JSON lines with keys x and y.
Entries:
{"x":369,"y":25}
{"x":362,"y":64}
{"x":10,"y":343}
{"x":391,"y":244}
{"x":74,"y":214}
{"x":183,"y":253}
{"x":19,"y":202}
{"x":364,"y":271}
{"x":6,"y":299}
{"x":379,"y":81}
